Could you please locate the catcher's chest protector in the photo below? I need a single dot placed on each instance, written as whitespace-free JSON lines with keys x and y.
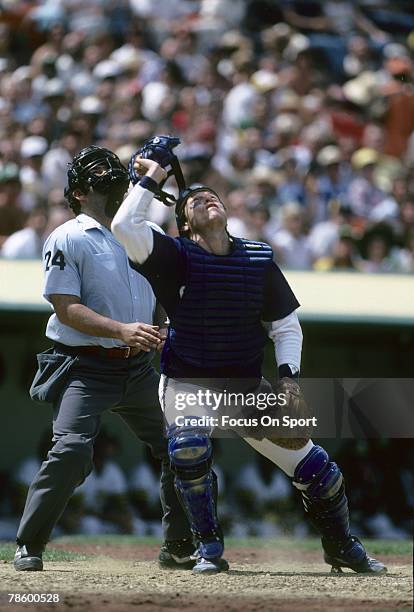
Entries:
{"x":218,"y":320}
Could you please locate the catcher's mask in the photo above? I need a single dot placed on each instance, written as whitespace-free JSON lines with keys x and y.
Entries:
{"x":99,"y":169}
{"x":182,"y":200}
{"x":160,"y":149}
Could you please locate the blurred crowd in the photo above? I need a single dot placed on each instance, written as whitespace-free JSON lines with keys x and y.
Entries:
{"x":258,"y":500}
{"x":300,"y":114}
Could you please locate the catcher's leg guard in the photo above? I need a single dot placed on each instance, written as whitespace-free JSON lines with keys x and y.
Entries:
{"x":325,"y":502}
{"x":190,"y":455}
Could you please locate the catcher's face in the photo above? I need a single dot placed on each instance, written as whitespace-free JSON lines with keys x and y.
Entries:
{"x":204,"y":211}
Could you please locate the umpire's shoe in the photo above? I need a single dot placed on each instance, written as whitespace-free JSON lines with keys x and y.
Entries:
{"x":27,"y":559}
{"x":353,"y":555}
{"x":177,"y":554}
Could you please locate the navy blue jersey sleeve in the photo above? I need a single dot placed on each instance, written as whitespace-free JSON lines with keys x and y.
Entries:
{"x":279,"y":299}
{"x":165,"y":270}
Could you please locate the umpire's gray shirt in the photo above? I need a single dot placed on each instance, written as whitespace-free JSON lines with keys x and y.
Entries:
{"x":83,"y":258}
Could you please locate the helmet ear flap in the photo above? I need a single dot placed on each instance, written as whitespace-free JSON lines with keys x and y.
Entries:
{"x":74,"y":182}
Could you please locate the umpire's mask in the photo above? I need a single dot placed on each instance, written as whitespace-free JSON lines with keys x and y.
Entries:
{"x":99,"y":169}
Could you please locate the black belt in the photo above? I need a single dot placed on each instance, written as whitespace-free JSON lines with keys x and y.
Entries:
{"x":121,"y":352}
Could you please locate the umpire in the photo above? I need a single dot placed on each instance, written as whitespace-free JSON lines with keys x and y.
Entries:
{"x":104,"y":337}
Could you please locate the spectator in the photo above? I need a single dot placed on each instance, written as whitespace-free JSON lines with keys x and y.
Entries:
{"x":290,"y":243}
{"x":406,"y":216}
{"x":399,"y":97}
{"x":262,"y":189}
{"x":324,"y":235}
{"x":32,"y":151}
{"x":56,"y":160}
{"x":331,"y":27}
{"x":291,"y":187}
{"x":258,"y":218}
{"x":343,"y":255}
{"x":27,"y":243}
{"x":378,"y":254}
{"x":363,"y":193}
{"x":406,"y":254}
{"x":238,"y":216}
{"x":359,"y":56}
{"x":330,"y":185}
{"x":12,"y":216}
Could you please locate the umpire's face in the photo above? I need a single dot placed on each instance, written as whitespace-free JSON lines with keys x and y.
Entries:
{"x":204,"y":212}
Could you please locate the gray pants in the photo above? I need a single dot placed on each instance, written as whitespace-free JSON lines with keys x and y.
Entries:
{"x":125,"y":386}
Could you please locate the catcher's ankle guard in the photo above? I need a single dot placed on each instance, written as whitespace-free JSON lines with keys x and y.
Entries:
{"x":351,"y":554}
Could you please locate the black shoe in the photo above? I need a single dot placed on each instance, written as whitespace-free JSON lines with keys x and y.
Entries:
{"x":353,"y":555}
{"x":28,"y":560}
{"x":177,"y":554}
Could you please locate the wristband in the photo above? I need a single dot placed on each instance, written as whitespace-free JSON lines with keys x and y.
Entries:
{"x":148,"y":183}
{"x":286,"y":372}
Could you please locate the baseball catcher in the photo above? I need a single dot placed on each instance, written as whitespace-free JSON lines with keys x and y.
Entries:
{"x":218,"y":290}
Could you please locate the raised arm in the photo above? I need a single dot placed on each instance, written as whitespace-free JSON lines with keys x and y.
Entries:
{"x":129,"y":225}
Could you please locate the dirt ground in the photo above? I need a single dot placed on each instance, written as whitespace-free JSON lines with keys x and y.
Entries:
{"x":126,"y":577}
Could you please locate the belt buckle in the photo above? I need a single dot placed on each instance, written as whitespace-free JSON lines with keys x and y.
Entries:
{"x":128,"y":352}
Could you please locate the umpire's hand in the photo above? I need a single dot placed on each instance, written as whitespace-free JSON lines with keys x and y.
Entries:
{"x":140,"y":335}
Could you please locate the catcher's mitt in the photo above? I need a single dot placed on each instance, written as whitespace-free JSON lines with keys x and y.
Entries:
{"x":288,"y":422}
{"x":159,"y":148}
{"x":294,"y":408}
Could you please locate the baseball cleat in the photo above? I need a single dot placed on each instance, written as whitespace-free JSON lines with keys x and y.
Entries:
{"x":209,"y":556}
{"x":26,"y":560}
{"x":177,"y":554}
{"x":352,"y":555}
{"x":210,"y":566}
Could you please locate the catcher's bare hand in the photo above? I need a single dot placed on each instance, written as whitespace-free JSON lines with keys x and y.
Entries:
{"x":140,"y":335}
{"x":150,"y":168}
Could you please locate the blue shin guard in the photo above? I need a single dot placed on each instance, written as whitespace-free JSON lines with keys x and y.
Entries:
{"x":321,"y":484}
{"x":190,"y":455}
{"x":325,"y":502}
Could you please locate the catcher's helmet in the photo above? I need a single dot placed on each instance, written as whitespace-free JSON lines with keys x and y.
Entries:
{"x":99,"y":169}
{"x":182,"y":199}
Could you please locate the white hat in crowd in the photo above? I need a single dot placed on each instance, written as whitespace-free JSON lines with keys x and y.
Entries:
{"x":33,"y":146}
